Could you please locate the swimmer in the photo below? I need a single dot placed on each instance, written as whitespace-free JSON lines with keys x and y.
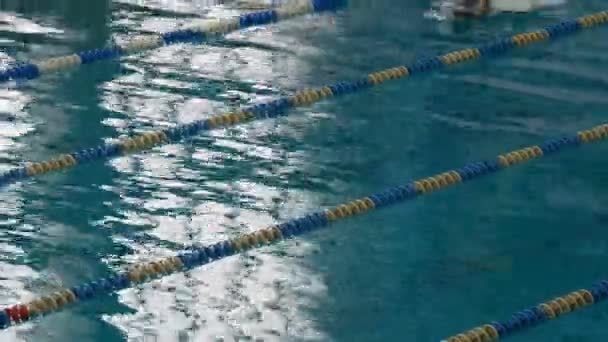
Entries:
{"x":255,"y":4}
{"x":252,"y":5}
{"x":477,"y":8}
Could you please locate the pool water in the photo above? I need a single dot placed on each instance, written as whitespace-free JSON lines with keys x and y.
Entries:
{"x":419,"y":271}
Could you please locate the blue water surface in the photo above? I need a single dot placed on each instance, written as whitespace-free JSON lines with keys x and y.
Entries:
{"x":419,"y":271}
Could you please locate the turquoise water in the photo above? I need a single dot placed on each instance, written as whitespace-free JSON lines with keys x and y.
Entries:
{"x":419,"y":271}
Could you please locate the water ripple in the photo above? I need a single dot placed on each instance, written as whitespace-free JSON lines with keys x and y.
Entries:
{"x":365,"y":284}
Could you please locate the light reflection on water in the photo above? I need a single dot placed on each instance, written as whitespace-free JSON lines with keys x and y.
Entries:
{"x":177,"y":196}
{"x":253,"y":296}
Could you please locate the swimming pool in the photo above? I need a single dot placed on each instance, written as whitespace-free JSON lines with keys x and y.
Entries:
{"x":418,"y":271}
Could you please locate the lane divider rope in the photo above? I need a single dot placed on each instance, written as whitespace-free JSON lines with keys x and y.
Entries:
{"x":194,"y":34}
{"x":305,"y":97}
{"x":195,"y":257}
{"x":535,"y":315}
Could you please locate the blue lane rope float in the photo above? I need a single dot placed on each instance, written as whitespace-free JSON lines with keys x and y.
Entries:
{"x":190,"y":259}
{"x":196,"y":33}
{"x":307,"y":97}
{"x":535,"y":315}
